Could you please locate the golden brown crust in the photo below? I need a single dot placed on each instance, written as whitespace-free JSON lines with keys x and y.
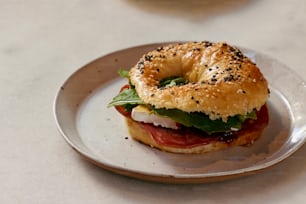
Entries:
{"x":222,"y":81}
{"x":140,"y":134}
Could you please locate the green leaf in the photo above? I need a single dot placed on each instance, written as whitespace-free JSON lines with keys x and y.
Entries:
{"x":127,"y":96}
{"x":172,"y":81}
{"x":201,"y":121}
{"x":252,"y":115}
{"x":124,"y":73}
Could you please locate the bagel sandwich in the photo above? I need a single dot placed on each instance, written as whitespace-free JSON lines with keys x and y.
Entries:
{"x":194,"y":97}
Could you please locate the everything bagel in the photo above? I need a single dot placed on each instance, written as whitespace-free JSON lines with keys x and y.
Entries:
{"x":194,"y":97}
{"x":222,"y":82}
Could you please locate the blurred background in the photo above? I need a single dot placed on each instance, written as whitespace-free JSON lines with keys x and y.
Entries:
{"x":44,"y":42}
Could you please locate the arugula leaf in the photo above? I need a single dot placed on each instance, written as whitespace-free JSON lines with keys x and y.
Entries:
{"x":124,"y":73}
{"x":172,"y":81}
{"x":127,"y":96}
{"x":252,"y":115}
{"x":201,"y":121}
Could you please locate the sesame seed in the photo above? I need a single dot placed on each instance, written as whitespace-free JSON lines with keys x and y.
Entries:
{"x":159,"y":49}
{"x":148,"y":58}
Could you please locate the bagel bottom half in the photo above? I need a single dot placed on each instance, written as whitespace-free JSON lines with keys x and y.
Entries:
{"x":250,"y":132}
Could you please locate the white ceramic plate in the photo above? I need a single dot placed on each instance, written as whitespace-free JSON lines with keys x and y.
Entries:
{"x":99,"y":133}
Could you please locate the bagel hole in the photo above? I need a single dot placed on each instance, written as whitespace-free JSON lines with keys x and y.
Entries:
{"x":172,"y":81}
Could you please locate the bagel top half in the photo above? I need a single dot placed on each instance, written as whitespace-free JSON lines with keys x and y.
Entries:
{"x":222,"y":81}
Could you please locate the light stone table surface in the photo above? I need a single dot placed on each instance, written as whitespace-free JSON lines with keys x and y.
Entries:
{"x":44,"y":42}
